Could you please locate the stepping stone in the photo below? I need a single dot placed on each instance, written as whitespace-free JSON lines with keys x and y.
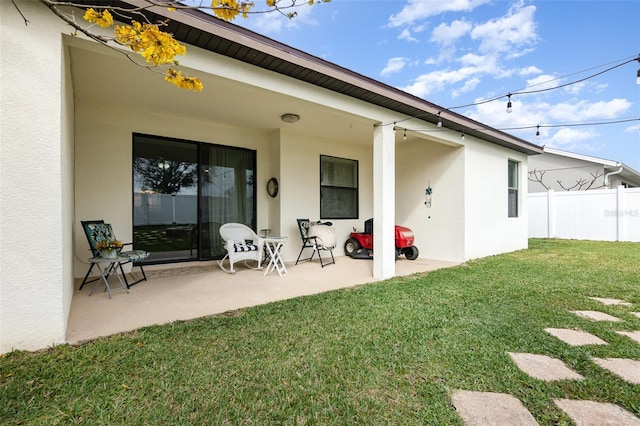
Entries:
{"x":489,"y":408}
{"x":544,"y":367}
{"x":635,"y":335}
{"x":575,"y":337}
{"x":596,"y":316}
{"x":590,"y":413}
{"x":627,"y":369}
{"x":611,"y":301}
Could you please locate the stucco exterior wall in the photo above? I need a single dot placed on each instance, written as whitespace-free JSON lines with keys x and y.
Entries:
{"x":439,"y":229}
{"x":300,"y":186}
{"x":488,"y":229}
{"x":104,"y":163}
{"x":562,"y":173}
{"x":34,"y":147}
{"x":566,"y":170}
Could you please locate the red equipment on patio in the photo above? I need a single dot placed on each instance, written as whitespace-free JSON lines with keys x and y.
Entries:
{"x":359,"y":245}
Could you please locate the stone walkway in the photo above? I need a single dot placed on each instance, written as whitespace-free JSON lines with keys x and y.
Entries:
{"x":498,"y":409}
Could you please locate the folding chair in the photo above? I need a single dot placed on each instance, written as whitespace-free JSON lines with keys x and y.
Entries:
{"x":312,"y":240}
{"x":97,"y":230}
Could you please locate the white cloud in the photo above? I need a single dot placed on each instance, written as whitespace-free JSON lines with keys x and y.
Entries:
{"x":469,"y":85}
{"x":509,"y":33}
{"x":575,"y":88}
{"x":427,"y":83}
{"x":418,"y":10}
{"x":532,"y":69}
{"x":573,"y":139}
{"x":542,"y":82}
{"x":476,"y":60}
{"x":406,"y":34}
{"x":394,"y":65}
{"x":492,"y":43}
{"x":583,"y":111}
{"x":448,"y":34}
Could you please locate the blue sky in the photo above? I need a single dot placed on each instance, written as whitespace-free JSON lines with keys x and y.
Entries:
{"x":461,"y":52}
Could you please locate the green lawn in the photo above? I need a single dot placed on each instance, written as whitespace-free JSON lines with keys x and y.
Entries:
{"x":384,"y":353}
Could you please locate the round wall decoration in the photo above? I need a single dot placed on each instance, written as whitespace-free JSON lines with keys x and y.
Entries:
{"x":272,"y":187}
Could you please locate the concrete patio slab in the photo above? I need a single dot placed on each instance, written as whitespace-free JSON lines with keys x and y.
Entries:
{"x":626,"y":369}
{"x":590,"y":413}
{"x":575,"y":337}
{"x":596,"y":316}
{"x":544,"y":367}
{"x":491,"y":409}
{"x":634,"y":335}
{"x":607,"y":301}
{"x":187,"y":291}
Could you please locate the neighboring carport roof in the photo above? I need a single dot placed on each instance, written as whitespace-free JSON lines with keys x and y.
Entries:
{"x":203,"y":30}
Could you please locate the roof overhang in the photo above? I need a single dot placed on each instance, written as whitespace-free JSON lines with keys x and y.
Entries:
{"x":200,"y":29}
{"x":608,"y":165}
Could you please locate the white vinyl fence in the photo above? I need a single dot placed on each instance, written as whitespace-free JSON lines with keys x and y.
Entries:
{"x":164,"y":209}
{"x":604,"y":215}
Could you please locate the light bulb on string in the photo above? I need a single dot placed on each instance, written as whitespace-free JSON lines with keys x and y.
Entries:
{"x":509,"y":108}
{"x":538,"y":131}
{"x":462,"y":135}
{"x":404,"y":137}
{"x":440,"y":119}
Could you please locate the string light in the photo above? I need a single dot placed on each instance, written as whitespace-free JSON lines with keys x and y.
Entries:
{"x":404,"y":137}
{"x":536,"y":126}
{"x":524,"y":91}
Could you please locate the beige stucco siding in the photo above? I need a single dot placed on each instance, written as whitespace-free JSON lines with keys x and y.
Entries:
{"x":439,"y":229}
{"x":488,"y":229}
{"x":35,"y":141}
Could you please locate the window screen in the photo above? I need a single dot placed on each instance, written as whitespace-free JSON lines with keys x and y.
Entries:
{"x":513,"y":189}
{"x":338,"y":188}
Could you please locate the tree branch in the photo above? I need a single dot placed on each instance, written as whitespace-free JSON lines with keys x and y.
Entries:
{"x":26,"y":21}
{"x":538,"y":175}
{"x":52,"y":6}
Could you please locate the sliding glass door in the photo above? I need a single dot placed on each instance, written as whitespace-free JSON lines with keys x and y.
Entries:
{"x":226,"y":193}
{"x":183,"y":191}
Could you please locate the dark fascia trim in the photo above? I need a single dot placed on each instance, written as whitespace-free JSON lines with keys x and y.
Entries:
{"x":207,"y":23}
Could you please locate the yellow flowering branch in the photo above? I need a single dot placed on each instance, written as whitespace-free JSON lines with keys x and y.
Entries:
{"x":157,"y":47}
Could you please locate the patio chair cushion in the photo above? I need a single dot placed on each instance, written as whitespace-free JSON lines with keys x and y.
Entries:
{"x":325,"y":234}
{"x":135,"y":255}
{"x":239,"y":247}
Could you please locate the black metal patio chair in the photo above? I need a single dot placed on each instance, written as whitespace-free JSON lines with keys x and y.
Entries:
{"x":97,"y":230}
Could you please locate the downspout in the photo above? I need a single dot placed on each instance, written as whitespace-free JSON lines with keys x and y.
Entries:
{"x":606,"y":177}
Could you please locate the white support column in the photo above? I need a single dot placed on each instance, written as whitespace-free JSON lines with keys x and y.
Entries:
{"x":384,"y":202}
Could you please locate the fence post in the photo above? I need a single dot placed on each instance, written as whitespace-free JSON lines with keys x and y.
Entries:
{"x":619,"y":213}
{"x":551,"y":214}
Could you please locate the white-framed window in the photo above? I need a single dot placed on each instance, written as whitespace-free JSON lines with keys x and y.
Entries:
{"x":338,"y":188}
{"x":513,"y":187}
